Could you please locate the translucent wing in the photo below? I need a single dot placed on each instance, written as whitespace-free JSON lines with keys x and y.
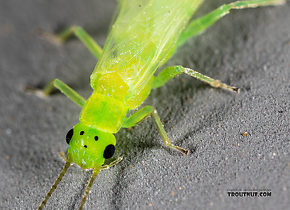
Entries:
{"x":142,"y":38}
{"x":116,"y":13}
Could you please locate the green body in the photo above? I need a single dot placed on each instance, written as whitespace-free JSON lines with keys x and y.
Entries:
{"x":143,"y":37}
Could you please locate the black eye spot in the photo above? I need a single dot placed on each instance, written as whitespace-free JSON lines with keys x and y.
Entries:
{"x":96,"y":138}
{"x":82,"y":133}
{"x":109,"y":151}
{"x":85,"y":146}
{"x":69,"y":135}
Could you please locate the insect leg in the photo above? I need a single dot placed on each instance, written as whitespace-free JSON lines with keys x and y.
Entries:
{"x":201,"y":24}
{"x":64,"y":88}
{"x":164,"y":136}
{"x":141,"y":115}
{"x":172,"y":71}
{"x":137,"y":117}
{"x":80,"y":33}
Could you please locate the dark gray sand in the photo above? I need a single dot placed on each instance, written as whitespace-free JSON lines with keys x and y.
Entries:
{"x":248,"y":48}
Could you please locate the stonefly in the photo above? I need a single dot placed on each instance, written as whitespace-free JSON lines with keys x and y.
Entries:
{"x":143,"y":36}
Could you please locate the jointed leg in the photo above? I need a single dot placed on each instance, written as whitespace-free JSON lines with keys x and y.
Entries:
{"x":88,"y":41}
{"x":80,"y":33}
{"x":163,"y":134}
{"x":173,"y":71}
{"x":138,"y":116}
{"x":199,"y":25}
{"x":65,"y":89}
{"x":143,"y":113}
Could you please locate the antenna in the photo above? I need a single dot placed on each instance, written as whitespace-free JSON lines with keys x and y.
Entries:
{"x":88,"y":188}
{"x":59,"y":178}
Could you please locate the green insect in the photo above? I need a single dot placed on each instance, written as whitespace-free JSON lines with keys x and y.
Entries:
{"x":143,"y":36}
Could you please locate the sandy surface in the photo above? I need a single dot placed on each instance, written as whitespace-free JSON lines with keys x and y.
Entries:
{"x":249,"y":49}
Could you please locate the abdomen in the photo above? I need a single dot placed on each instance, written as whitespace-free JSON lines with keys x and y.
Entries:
{"x":142,"y":38}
